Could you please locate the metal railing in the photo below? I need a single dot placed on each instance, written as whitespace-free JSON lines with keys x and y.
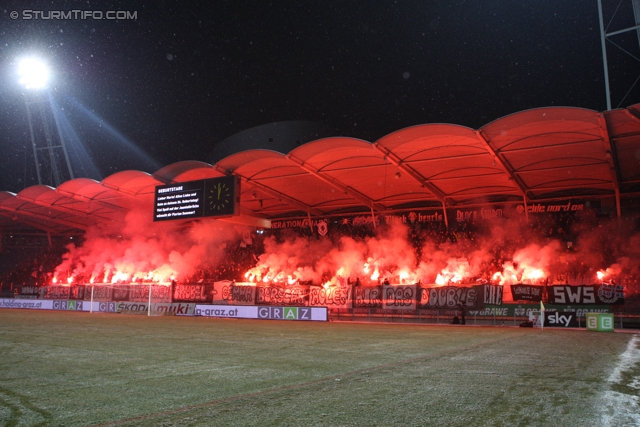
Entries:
{"x":623,"y":320}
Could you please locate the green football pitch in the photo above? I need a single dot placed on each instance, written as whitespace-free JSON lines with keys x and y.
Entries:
{"x":79,"y":369}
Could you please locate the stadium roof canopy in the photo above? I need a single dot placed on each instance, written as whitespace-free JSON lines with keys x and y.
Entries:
{"x":535,"y":155}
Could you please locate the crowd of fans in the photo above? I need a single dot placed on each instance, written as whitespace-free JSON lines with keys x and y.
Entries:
{"x":35,"y":267}
{"x":31,"y":267}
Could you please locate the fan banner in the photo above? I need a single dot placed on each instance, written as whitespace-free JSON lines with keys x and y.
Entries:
{"x":282,"y":295}
{"x":399,"y":297}
{"x":190,"y":293}
{"x":101,"y":292}
{"x":367,"y":296}
{"x":493,"y":294}
{"x":118,"y":293}
{"x":28,"y":292}
{"x":450,"y":297}
{"x":586,"y":294}
{"x":234,"y":293}
{"x":62,"y":292}
{"x":124,"y":293}
{"x":522,"y":292}
{"x":106,"y":292}
{"x":331,"y":297}
{"x":140,"y":293}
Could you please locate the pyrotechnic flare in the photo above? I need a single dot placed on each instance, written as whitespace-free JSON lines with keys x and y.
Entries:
{"x":147,"y":251}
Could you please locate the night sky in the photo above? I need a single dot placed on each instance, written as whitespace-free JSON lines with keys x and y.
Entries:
{"x":182,"y":77}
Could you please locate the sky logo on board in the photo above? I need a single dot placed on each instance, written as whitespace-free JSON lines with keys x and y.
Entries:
{"x":559,"y":319}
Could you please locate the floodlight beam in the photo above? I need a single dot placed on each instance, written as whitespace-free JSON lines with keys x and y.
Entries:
{"x":33,"y":140}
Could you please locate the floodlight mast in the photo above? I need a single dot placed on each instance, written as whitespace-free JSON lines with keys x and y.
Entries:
{"x":604,"y":36}
{"x":34,"y":76}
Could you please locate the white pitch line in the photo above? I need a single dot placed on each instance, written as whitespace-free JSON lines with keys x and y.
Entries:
{"x":630,"y":357}
{"x":620,"y":409}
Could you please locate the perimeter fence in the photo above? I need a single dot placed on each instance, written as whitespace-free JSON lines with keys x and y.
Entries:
{"x":622,"y":319}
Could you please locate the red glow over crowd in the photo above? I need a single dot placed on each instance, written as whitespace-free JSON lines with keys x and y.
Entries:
{"x":571,"y":250}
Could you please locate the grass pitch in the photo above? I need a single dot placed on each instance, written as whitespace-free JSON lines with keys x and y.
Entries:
{"x":80,"y":369}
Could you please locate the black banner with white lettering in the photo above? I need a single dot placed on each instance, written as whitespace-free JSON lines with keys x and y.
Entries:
{"x":100,"y":292}
{"x":586,"y":294}
{"x":192,"y":293}
{"x":140,"y":293}
{"x":470,"y":297}
{"x":492,"y":294}
{"x":395,"y":297}
{"x":527,"y":292}
{"x":63,"y":292}
{"x":120,"y":293}
{"x":28,"y":291}
{"x":367,"y":296}
{"x":282,"y":295}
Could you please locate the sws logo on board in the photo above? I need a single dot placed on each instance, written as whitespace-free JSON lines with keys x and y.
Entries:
{"x":284,"y":313}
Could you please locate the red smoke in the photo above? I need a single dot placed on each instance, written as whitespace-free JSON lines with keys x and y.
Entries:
{"x":384,"y":256}
{"x":498,"y":251}
{"x":144,"y":250}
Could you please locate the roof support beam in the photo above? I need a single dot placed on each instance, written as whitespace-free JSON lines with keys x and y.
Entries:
{"x":466,"y":177}
{"x":572,"y":187}
{"x":373,"y":219}
{"x":595,"y":163}
{"x":33,"y":224}
{"x":632,"y":113}
{"x":61,"y":205}
{"x":249,"y":220}
{"x":283,"y":197}
{"x":28,"y":214}
{"x":503,"y":164}
{"x":338,"y":185}
{"x":241,"y":218}
{"x":507,"y":168}
{"x":465,"y":193}
{"x":62,"y":208}
{"x":609,"y":156}
{"x":101,"y":203}
{"x":310,"y":222}
{"x":563,"y":144}
{"x":455,"y":157}
{"x":444,"y":214}
{"x":398,"y":162}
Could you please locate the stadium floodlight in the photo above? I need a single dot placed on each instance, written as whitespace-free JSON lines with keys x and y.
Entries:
{"x":49,"y":149}
{"x":33,"y":73}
